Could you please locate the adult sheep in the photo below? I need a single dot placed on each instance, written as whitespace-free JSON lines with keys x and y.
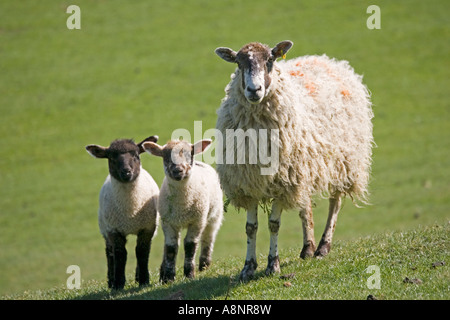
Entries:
{"x":321,"y":113}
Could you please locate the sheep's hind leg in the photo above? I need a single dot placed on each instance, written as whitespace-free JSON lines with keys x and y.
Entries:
{"x":208,"y":240}
{"x":325,"y":243}
{"x":144,"y":240}
{"x":171,"y":240}
{"x":309,"y":244}
{"x":273,"y":260}
{"x":251,"y":228}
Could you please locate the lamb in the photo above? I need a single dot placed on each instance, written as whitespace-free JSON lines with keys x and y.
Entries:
{"x":191,"y":198}
{"x":321,"y":112}
{"x":127,"y":205}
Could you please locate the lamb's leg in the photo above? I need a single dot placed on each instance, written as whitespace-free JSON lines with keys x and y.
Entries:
{"x":118,"y":242}
{"x":251,"y":228}
{"x":309,"y":244}
{"x":171,"y":241}
{"x":190,"y":247}
{"x":208,"y":240}
{"x":144,"y":240}
{"x":325,"y":242}
{"x":110,"y":262}
{"x":273,"y":261}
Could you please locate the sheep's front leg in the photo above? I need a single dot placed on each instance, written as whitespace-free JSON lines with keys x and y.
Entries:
{"x":144,"y":240}
{"x":119,"y":251}
{"x":251,"y":228}
{"x":171,"y":240}
{"x":325,"y":243}
{"x":190,"y":247}
{"x":110,"y":262}
{"x":273,"y":260}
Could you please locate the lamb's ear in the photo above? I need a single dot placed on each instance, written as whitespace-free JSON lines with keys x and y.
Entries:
{"x":200,"y":146}
{"x":151,"y":138}
{"x":153,"y":148}
{"x":281,"y":49}
{"x":97,"y":151}
{"x":226,"y":54}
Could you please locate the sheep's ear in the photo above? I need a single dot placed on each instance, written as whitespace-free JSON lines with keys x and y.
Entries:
{"x":200,"y":146}
{"x":97,"y":151}
{"x":153,"y":148}
{"x":151,"y":138}
{"x":226,"y":54}
{"x":281,"y":49}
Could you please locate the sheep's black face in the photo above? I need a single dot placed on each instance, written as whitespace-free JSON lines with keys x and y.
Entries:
{"x":255,"y":62}
{"x":178,"y":160}
{"x":123,"y":160}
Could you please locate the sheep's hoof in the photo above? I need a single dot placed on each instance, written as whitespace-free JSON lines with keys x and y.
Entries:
{"x":189,"y":271}
{"x":322,"y":250}
{"x":143,"y":278}
{"x":273,"y":265}
{"x":204,"y":263}
{"x":248,"y":271}
{"x":307,"y":251}
{"x":166,"y":274}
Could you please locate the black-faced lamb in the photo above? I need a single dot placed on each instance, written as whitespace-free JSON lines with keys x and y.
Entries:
{"x":190,"y":197}
{"x":321,"y":113}
{"x":127,"y":205}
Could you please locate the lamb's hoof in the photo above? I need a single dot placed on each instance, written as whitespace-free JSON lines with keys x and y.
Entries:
{"x":166,"y":274}
{"x":118,"y":285}
{"x":322,"y":250}
{"x":273,"y":265}
{"x":204,"y":263}
{"x":142,"y":278}
{"x":189,"y":271}
{"x":307,"y":251}
{"x":248,"y":271}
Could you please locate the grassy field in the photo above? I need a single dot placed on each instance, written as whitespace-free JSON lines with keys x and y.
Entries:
{"x":148,"y":67}
{"x":411,"y":266}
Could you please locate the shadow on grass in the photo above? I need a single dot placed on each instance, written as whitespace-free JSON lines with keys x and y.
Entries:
{"x":196,"y":289}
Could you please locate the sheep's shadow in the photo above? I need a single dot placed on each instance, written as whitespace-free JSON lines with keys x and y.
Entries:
{"x":195,"y":289}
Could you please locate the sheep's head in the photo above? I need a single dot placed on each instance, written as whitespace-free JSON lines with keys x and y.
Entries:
{"x":178,"y":156}
{"x":255,"y":61}
{"x":123,"y":157}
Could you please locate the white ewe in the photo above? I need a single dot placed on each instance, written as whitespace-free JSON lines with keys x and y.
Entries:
{"x":128,"y":205}
{"x":191,"y":198}
{"x":322,"y":114}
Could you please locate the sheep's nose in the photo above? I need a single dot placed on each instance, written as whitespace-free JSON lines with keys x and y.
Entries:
{"x":253,"y":91}
{"x":127,"y":172}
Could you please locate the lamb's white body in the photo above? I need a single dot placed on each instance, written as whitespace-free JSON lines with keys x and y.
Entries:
{"x":322,"y":113}
{"x":128,"y":207}
{"x":193,"y":202}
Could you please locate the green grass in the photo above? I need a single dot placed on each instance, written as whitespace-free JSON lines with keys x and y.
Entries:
{"x":415,"y":254}
{"x":148,"y":67}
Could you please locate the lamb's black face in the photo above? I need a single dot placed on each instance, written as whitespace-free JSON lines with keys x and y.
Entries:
{"x":123,"y":160}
